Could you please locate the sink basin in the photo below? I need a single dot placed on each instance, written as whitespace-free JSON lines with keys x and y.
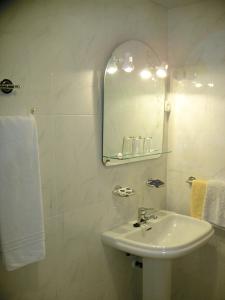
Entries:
{"x":169,"y":236}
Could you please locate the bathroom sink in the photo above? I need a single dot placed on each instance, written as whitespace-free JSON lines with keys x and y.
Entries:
{"x":169,"y":236}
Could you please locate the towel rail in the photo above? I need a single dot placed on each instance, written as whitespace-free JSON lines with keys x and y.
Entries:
{"x":190,"y":180}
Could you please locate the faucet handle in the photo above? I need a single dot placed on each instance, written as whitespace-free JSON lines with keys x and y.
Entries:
{"x":144,"y":214}
{"x":144,"y":211}
{"x":150,"y":209}
{"x":141,"y":209}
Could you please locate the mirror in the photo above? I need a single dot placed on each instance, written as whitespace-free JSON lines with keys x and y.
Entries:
{"x":133,"y":114}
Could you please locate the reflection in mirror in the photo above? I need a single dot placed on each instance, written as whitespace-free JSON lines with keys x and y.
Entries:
{"x":134,"y":94}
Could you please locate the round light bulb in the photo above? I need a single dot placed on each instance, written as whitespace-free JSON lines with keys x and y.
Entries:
{"x":112,"y":68}
{"x":128,"y":65}
{"x":198,"y":84}
{"x":210,"y":84}
{"x":161,"y":72}
{"x":128,"y":69}
{"x":145,"y":74}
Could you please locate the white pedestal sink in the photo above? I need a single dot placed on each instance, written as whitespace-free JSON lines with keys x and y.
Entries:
{"x":169,"y":236}
{"x":156,"y":279}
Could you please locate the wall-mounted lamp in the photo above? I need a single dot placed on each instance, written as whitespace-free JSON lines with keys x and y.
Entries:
{"x":128,"y":65}
{"x":197,"y":84}
{"x":146,"y":74}
{"x":125,"y":63}
{"x":161,"y":71}
{"x":210,"y":84}
{"x":198,"y":79}
{"x":112,"y":67}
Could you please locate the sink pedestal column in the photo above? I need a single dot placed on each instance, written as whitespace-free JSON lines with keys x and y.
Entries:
{"x":156,"y":279}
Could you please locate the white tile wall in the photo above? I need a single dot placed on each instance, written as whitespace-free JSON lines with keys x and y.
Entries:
{"x":196,"y":135}
{"x":57,"y":51}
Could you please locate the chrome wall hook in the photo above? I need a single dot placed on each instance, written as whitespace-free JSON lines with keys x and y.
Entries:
{"x":6,"y":86}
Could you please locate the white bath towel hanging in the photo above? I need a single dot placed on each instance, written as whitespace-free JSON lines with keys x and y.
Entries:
{"x":21,"y":215}
{"x":214,"y":204}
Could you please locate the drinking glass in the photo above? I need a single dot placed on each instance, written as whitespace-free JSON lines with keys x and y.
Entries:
{"x":148,"y":145}
{"x":138,"y":145}
{"x":127,"y":147}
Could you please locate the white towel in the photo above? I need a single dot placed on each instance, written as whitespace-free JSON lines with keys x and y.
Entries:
{"x":214,"y":204}
{"x":21,"y":214}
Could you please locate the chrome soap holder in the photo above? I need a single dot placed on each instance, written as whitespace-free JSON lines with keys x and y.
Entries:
{"x":123,"y":191}
{"x":154,"y":183}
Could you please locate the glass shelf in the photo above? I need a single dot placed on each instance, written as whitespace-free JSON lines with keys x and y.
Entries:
{"x":131,"y":156}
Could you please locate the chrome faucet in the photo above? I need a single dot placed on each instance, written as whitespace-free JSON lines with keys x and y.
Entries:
{"x":146,"y":214}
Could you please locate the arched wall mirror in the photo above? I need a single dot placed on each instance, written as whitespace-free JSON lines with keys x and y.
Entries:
{"x":134,"y":96}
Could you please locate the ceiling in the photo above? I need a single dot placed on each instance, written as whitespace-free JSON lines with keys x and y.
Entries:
{"x":175,"y":3}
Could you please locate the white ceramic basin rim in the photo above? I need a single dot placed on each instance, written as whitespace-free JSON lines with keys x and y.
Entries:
{"x":171,"y":235}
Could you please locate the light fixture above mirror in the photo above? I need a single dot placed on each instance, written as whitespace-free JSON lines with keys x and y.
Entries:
{"x":126,"y":63}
